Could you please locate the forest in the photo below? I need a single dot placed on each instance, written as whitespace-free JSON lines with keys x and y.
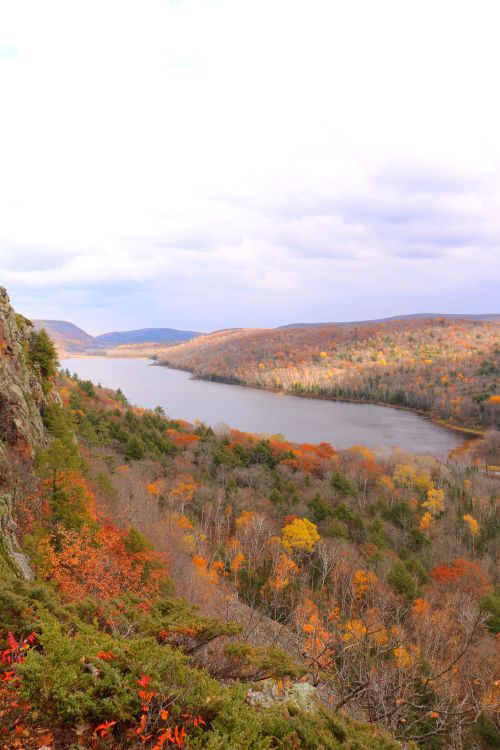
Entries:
{"x":448,"y":368}
{"x":213,"y":589}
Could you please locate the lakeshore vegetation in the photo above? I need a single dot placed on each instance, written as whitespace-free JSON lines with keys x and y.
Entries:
{"x":198,"y":588}
{"x":448,"y":368}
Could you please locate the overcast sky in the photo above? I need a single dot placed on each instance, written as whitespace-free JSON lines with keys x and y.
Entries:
{"x":211,"y":163}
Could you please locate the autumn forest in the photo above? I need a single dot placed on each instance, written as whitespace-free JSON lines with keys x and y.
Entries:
{"x":249,"y":375}
{"x":165,"y":584}
{"x":446,"y":367}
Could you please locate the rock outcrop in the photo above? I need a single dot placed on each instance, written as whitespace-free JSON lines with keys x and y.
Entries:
{"x":21,"y":427}
{"x":21,"y":392}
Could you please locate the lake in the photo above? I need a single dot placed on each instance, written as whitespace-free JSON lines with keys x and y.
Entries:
{"x":301,"y":420}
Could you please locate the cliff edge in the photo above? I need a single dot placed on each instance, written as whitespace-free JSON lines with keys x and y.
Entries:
{"x":25,"y":388}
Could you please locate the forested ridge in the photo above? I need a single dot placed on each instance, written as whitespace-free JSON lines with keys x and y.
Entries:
{"x":448,"y":368}
{"x":191,"y":588}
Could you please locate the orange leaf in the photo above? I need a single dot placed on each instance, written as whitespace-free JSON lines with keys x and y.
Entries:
{"x":103,"y":729}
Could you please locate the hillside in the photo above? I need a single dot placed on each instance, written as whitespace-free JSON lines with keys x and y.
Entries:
{"x":449,"y":368}
{"x":144,"y":336}
{"x":216,"y":590}
{"x":490,"y":317}
{"x":70,"y":339}
{"x":378,"y":571}
{"x":318,"y":588}
{"x":66,"y":336}
{"x":96,"y":650}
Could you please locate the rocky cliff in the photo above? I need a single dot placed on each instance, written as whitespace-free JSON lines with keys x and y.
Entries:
{"x":22,"y":400}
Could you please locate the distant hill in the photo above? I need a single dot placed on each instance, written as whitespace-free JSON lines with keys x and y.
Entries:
{"x":66,"y":336}
{"x":446,"y":365}
{"x":144,"y":336}
{"x":70,"y":339}
{"x":491,"y":317}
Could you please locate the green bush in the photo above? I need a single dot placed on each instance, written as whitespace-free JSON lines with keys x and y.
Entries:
{"x":336,"y":530}
{"x":490,"y":605}
{"x":65,"y":679}
{"x":343,"y":487}
{"x":417,"y":539}
{"x":319,"y":508}
{"x":135,"y":448}
{"x":378,"y":536}
{"x":402,"y":580}
{"x":42,"y":353}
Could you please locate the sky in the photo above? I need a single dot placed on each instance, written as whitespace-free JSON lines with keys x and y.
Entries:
{"x":203,"y":164}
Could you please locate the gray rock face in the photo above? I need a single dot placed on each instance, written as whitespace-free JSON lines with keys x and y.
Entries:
{"x":11,"y":557}
{"x":301,"y":696}
{"x":21,"y":394}
{"x":21,"y":427}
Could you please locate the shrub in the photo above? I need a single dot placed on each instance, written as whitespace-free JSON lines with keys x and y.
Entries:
{"x":135,"y":449}
{"x":319,"y":509}
{"x":341,"y":484}
{"x":42,"y":353}
{"x":490,"y":605}
{"x":402,"y":580}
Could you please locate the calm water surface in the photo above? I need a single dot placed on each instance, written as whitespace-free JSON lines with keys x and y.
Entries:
{"x":301,"y":420}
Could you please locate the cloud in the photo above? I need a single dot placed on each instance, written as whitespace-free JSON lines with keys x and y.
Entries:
{"x":228,"y":163}
{"x":7,"y":52}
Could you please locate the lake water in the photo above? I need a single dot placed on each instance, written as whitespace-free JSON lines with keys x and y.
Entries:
{"x":301,"y":420}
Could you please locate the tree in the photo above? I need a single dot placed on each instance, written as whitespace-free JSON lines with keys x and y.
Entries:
{"x":434,"y":502}
{"x":472,"y":525}
{"x":301,"y":534}
{"x":105,"y":564}
{"x":342,"y":485}
{"x":42,"y":352}
{"x":490,"y":606}
{"x":319,"y":508}
{"x":426,"y":522}
{"x":135,"y":448}
{"x":402,"y":580}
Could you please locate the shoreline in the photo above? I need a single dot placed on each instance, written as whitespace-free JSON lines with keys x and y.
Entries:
{"x":472,"y":433}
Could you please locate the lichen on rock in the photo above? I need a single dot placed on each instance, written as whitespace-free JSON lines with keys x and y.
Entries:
{"x":22,"y":401}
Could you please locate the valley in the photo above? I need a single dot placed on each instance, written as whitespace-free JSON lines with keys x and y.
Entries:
{"x":446,"y":367}
{"x":303,"y":420}
{"x":249,"y":375}
{"x":166,"y":583}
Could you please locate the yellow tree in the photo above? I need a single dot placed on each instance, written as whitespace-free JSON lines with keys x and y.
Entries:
{"x":426,"y":522}
{"x":300,"y":534}
{"x":473,"y":527}
{"x":434,"y":502}
{"x":362,"y":581}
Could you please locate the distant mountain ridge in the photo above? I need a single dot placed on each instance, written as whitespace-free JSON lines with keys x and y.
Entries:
{"x":145,"y":336}
{"x":492,"y":317}
{"x":69,"y":338}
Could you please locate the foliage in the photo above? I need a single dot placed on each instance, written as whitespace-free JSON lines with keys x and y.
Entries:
{"x":402,"y":581}
{"x":446,"y":367}
{"x":322,"y":552}
{"x":79,"y":671}
{"x":490,"y":605}
{"x":300,"y":534}
{"x":42,"y":353}
{"x":342,"y":485}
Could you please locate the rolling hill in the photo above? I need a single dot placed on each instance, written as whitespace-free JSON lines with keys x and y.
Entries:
{"x":66,"y":336}
{"x":446,"y":366}
{"x":70,"y":339}
{"x":166,"y":585}
{"x":491,"y":317}
{"x":144,"y":336}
